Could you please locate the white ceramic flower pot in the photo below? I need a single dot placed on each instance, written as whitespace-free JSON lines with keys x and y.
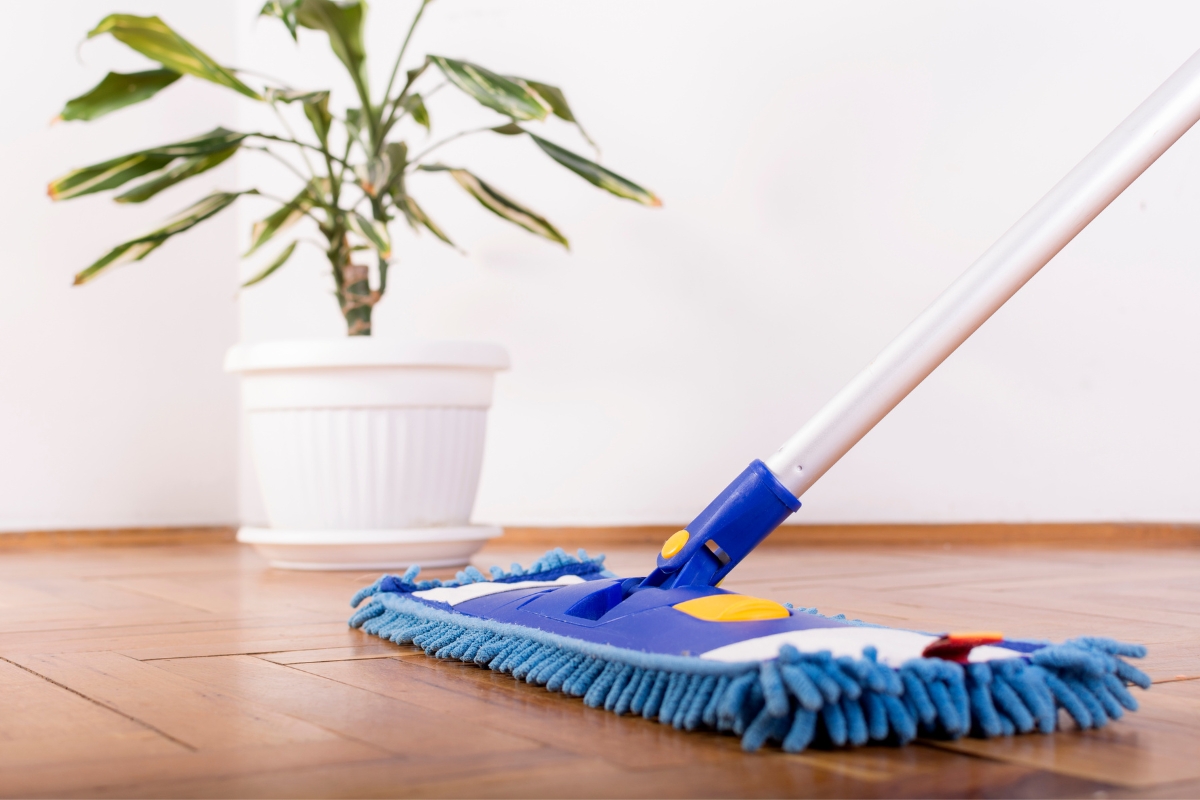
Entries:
{"x":367,"y":451}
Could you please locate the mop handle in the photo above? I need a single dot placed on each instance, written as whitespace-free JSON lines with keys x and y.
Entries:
{"x":989,"y":282}
{"x":765,"y":494}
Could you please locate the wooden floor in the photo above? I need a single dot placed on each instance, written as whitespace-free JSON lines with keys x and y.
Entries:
{"x":194,"y":671}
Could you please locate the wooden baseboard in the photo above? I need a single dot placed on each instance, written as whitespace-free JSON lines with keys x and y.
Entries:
{"x":1033,"y":534}
{"x":1082,"y":535}
{"x":118,"y":537}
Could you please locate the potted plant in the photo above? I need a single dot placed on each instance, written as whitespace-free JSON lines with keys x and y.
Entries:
{"x":368,"y":452}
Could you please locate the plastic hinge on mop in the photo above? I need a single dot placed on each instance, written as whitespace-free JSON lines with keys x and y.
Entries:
{"x":725,"y":532}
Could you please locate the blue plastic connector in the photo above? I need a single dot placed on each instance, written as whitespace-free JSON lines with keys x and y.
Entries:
{"x":727,"y":530}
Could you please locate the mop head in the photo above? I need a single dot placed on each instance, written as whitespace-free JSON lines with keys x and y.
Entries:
{"x":711,"y":659}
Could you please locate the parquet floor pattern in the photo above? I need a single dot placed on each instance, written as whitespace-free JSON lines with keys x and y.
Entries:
{"x":195,"y":671}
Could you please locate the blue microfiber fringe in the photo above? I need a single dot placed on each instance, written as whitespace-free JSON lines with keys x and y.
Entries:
{"x":794,"y":700}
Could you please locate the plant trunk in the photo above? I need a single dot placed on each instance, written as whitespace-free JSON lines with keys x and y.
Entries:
{"x":357,"y":299}
{"x":353,"y":288}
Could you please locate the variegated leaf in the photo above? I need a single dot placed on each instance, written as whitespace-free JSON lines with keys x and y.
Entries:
{"x":501,"y":204}
{"x":492,"y":90}
{"x":117,"y":91}
{"x":275,"y":264}
{"x":180,"y":171}
{"x":284,"y":217}
{"x":596,"y":174}
{"x":154,"y":39}
{"x":375,"y":233}
{"x":139,"y":248}
{"x":122,"y":169}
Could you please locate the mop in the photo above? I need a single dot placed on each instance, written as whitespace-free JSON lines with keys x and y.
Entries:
{"x":675,"y":647}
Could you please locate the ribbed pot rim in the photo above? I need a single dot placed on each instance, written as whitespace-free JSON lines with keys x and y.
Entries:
{"x":363,"y":351}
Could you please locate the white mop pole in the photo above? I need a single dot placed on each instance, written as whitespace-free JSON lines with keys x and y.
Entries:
{"x":989,"y":282}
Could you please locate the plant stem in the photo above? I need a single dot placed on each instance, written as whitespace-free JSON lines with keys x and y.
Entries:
{"x":291,"y":168}
{"x":380,"y":214}
{"x":354,"y":295}
{"x":436,"y":89}
{"x":283,"y":202}
{"x":280,"y":84}
{"x":400,"y":56}
{"x":413,"y":161}
{"x":322,"y":247}
{"x":299,"y":143}
{"x":335,"y":182}
{"x":355,"y":138}
{"x":308,"y":181}
{"x":303,"y":152}
{"x":394,"y":118}
{"x":364,"y":97}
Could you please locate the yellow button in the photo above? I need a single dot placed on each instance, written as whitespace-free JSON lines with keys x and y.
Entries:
{"x":731,"y":608}
{"x":675,"y":543}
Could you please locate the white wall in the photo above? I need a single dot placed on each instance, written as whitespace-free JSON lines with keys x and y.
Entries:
{"x":113,"y":408}
{"x":827,"y":169}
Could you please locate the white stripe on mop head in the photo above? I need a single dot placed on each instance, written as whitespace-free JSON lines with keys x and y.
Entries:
{"x":453,"y":595}
{"x":894,"y":646}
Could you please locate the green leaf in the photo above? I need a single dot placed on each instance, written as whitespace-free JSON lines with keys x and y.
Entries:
{"x":214,"y":140}
{"x":396,"y":156}
{"x":375,"y":232}
{"x":275,"y":264}
{"x":553,"y":97}
{"x":414,"y":73}
{"x":501,"y":204}
{"x":315,"y":104}
{"x":286,"y":216}
{"x":273,"y":95}
{"x":354,"y":123}
{"x":139,"y":248}
{"x":415,"y":106}
{"x":399,"y":102}
{"x":416,"y":216}
{"x":317,"y":111}
{"x":344,"y":25}
{"x":382,"y":175}
{"x":181,"y":171}
{"x":105,"y":175}
{"x":373,"y":176}
{"x":154,"y":39}
{"x":509,"y":129}
{"x":492,"y":90}
{"x":594,"y":173}
{"x":285,"y":11}
{"x":116,"y":91}
{"x":122,"y":169}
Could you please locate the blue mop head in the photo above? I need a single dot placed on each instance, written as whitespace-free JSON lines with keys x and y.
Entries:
{"x":701,"y":657}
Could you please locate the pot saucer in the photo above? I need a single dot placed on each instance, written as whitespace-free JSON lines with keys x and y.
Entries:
{"x":377,"y":549}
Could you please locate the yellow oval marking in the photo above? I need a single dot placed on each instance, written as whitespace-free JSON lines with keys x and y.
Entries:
{"x":674,"y":544}
{"x":731,"y":608}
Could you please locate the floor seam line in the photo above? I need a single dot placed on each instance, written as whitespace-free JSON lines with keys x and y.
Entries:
{"x":103,"y":705}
